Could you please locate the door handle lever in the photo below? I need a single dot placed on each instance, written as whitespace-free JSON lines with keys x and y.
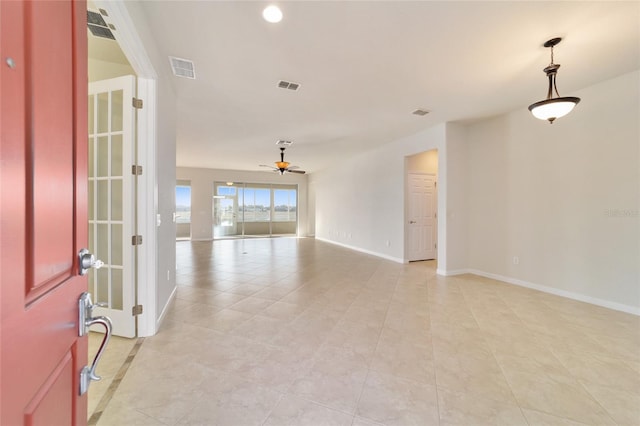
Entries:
{"x":86,"y":320}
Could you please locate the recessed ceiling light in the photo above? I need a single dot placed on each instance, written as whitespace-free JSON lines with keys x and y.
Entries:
{"x":272,"y":14}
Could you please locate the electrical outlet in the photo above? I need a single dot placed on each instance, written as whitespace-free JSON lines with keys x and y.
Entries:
{"x":516,"y":260}
{"x":388,"y":243}
{"x":168,"y":275}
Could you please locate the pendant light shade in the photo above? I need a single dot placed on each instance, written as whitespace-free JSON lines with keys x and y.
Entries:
{"x":552,"y":108}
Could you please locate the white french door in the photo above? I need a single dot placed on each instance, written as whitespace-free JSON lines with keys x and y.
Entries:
{"x":422,"y":226}
{"x":112,"y":200}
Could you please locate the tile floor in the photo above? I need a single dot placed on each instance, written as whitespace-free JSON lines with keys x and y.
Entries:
{"x":299,"y":332}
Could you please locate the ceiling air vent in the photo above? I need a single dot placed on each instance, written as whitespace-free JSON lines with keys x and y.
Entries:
{"x":283,"y":143}
{"x":420,"y":112}
{"x":182,"y":67}
{"x":98,"y":26}
{"x":288,"y":85}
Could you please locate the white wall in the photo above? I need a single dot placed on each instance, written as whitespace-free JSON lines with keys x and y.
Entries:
{"x":424,"y":162}
{"x":563,"y":198}
{"x":455,"y":189}
{"x":360,"y":203}
{"x":547,"y":194}
{"x":202,"y":194}
{"x":103,"y":70}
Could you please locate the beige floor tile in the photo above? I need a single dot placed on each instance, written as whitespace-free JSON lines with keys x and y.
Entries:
{"x":359,"y":421}
{"x":246,"y":289}
{"x":559,"y":395}
{"x":273,"y":292}
{"x":360,"y":337}
{"x":292,"y":411}
{"x":622,"y":405}
{"x":251,"y":305}
{"x":538,"y":418}
{"x":259,"y":328}
{"x":480,"y":375}
{"x":226,"y":320}
{"x":460,"y":408}
{"x":278,"y":369}
{"x":600,"y":370}
{"x":224,"y":300}
{"x":405,"y":356}
{"x":119,"y":414}
{"x":335,"y":387}
{"x":297,"y":331}
{"x":237,"y":402}
{"x":284,"y":311}
{"x":394,"y":401}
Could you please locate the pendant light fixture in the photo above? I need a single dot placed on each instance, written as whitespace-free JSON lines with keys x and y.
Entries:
{"x":552,"y":108}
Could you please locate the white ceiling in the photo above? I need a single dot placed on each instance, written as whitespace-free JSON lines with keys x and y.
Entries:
{"x":364,"y":66}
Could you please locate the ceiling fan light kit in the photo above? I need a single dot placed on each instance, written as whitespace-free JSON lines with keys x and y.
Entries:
{"x":552,"y":108}
{"x":282,"y":166}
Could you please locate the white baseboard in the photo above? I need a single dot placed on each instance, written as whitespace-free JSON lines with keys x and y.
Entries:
{"x":551,"y":290}
{"x":166,"y":308}
{"x":448,"y":273}
{"x":361,"y":250}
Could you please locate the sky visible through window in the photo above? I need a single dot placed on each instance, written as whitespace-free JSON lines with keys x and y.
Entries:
{"x":183,"y":196}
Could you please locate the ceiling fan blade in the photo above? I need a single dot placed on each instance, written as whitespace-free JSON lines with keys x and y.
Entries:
{"x":264,"y":165}
{"x":296,"y":171}
{"x":293,"y":167}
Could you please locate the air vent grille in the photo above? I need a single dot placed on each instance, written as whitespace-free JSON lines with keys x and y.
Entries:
{"x":182,"y":67}
{"x":288,"y":85}
{"x":420,"y":112}
{"x":283,"y":143}
{"x":98,"y":26}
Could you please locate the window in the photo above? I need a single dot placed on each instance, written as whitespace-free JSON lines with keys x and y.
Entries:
{"x":183,"y":203}
{"x":254,"y":209}
{"x":254,"y":204}
{"x":284,"y":205}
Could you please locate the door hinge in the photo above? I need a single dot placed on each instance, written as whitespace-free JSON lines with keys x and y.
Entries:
{"x":435,"y":184}
{"x":136,"y":310}
{"x":136,"y":170}
{"x":436,"y":245}
{"x":137,"y":103}
{"x":136,"y":240}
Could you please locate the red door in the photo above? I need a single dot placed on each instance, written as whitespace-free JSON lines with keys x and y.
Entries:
{"x":43,"y":171}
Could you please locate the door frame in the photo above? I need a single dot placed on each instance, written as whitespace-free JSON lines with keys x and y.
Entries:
{"x":147,"y":200}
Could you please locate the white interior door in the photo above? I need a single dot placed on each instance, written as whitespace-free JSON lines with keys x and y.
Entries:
{"x":422,"y":225}
{"x":112,"y":200}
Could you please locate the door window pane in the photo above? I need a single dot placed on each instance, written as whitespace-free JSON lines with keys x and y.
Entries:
{"x":116,"y":111}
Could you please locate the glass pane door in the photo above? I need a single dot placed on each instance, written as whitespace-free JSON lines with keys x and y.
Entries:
{"x":111,"y":200}
{"x":225,"y":212}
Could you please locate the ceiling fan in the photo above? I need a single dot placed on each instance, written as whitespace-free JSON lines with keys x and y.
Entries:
{"x":282,"y":166}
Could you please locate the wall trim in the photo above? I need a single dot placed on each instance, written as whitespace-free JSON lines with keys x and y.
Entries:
{"x":361,"y":250}
{"x":550,"y":290}
{"x":166,"y":308}
{"x":448,"y":273}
